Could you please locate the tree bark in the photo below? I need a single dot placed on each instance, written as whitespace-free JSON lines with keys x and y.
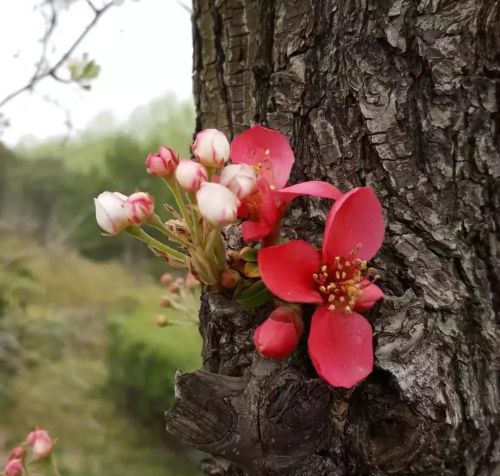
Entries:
{"x":401,"y":95}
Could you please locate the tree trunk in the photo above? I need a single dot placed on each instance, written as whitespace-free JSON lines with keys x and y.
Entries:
{"x":401,"y":95}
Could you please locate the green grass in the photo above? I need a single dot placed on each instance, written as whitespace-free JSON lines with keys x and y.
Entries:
{"x":86,"y":341}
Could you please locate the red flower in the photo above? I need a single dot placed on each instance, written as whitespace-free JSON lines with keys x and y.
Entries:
{"x":269,"y":153}
{"x":340,"y":340}
{"x":278,"y":336}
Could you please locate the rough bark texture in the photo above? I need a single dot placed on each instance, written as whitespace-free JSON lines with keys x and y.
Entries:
{"x":402,"y":95}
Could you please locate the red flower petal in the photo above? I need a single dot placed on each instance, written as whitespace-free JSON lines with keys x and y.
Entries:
{"x":315,"y":188}
{"x":250,"y":148}
{"x":278,"y":336}
{"x":268,"y":214}
{"x":355,"y":218}
{"x":371,"y":294}
{"x":287,"y":271}
{"x":340,"y":347}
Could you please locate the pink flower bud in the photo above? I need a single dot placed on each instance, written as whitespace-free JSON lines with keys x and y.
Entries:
{"x":163,"y":163}
{"x":40,"y":442}
{"x":278,"y":336}
{"x":176,"y":286}
{"x":240,"y":179}
{"x":14,"y":467}
{"x":229,"y":278}
{"x":139,"y":207}
{"x":191,"y":282}
{"x":166,"y":278}
{"x":17,"y":453}
{"x":161,"y":320}
{"x":110,"y":212}
{"x":190,"y":175}
{"x":217,"y":203}
{"x":211,"y":148}
{"x":165,"y":301}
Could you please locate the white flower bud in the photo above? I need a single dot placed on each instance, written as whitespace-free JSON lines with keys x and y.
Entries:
{"x":190,"y":175}
{"x":217,"y":203}
{"x":240,"y":179}
{"x":110,"y":212}
{"x":211,"y":148}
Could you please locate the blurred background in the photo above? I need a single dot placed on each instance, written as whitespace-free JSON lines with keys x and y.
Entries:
{"x":87,"y":89}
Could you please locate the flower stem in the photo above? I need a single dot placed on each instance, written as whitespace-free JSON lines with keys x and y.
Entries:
{"x":174,"y":188}
{"x":273,"y":237}
{"x":55,"y":469}
{"x":155,"y":222}
{"x":140,"y":234}
{"x":196,"y":217}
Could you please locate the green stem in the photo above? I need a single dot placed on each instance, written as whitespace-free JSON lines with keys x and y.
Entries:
{"x":196,"y":217}
{"x":174,"y":188}
{"x":156,"y":222}
{"x":210,"y":173}
{"x":140,"y":234}
{"x":54,"y":465}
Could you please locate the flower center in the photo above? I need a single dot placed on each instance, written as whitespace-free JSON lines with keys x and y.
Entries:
{"x":263,"y":166}
{"x":341,"y":282}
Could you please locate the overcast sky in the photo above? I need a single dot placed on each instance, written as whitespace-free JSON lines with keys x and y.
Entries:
{"x":143,"y":47}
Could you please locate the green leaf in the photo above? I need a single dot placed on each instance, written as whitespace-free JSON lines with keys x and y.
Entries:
{"x":249,"y":254}
{"x":254,"y":296}
{"x":251,"y":270}
{"x":90,"y":71}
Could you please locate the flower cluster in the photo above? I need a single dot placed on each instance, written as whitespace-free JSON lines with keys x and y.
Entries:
{"x":247,"y":180}
{"x":41,"y":445}
{"x":182,"y":295}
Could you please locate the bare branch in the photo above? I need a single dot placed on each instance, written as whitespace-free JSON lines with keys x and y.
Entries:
{"x":185,"y":7}
{"x":51,"y":25}
{"x":91,"y":5}
{"x":52,"y":71}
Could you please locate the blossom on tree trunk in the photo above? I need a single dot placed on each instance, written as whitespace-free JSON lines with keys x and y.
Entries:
{"x":337,"y":279}
{"x":271,"y":156}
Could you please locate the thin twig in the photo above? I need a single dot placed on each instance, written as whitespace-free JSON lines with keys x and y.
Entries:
{"x":52,"y":22}
{"x":185,"y":7}
{"x":52,"y":71}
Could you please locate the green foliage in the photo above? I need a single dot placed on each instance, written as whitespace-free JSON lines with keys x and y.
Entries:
{"x":254,"y":295}
{"x":64,"y":364}
{"x":48,"y":189}
{"x":54,"y":372}
{"x":141,"y":367}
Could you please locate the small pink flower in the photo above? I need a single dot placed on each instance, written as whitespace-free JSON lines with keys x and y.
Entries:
{"x":335,"y":278}
{"x":278,"y":336}
{"x":190,"y":175}
{"x":191,"y":282}
{"x":176,"y":286}
{"x":163,"y":163}
{"x":110,"y":212}
{"x":17,"y":453}
{"x":217,"y":204}
{"x":139,"y":207}
{"x":240,"y":179}
{"x":40,"y":442}
{"x":14,"y":467}
{"x":166,"y":278}
{"x":211,"y":148}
